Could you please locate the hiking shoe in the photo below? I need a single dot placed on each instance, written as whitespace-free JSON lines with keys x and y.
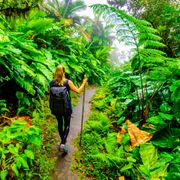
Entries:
{"x":65,"y":149}
{"x":61,"y":148}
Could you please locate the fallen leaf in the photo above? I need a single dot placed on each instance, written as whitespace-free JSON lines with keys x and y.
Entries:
{"x":121,"y":178}
{"x":137,"y":136}
{"x":120,"y":135}
{"x":25,"y":118}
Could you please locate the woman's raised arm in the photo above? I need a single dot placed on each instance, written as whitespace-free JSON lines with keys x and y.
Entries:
{"x":74,"y":88}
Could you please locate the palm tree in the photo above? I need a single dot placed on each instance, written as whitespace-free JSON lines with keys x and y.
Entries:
{"x":100,"y":35}
{"x":64,"y":9}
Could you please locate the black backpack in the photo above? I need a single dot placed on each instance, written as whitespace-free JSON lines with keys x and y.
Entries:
{"x":59,"y":96}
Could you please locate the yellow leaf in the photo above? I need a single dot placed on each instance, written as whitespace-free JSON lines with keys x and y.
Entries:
{"x":137,"y":136}
{"x":121,"y":178}
{"x":120,"y":135}
{"x":68,"y":21}
{"x":86,"y":35}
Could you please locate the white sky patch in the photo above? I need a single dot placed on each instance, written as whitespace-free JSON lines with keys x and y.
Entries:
{"x":89,"y":12}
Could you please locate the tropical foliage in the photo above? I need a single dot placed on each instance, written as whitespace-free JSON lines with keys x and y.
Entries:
{"x":18,"y":144}
{"x":37,"y":46}
{"x":14,"y":8}
{"x":113,"y":147}
{"x":133,"y":130}
{"x":140,"y":103}
{"x":163,"y":15}
{"x":65,"y":10}
{"x":30,"y":50}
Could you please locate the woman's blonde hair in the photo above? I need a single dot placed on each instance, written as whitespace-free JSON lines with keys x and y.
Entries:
{"x":59,"y":76}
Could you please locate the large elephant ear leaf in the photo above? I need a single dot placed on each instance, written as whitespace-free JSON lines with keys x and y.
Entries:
{"x":167,"y":138}
{"x":149,"y":154}
{"x":154,"y":164}
{"x":159,"y":169}
{"x":174,"y":167}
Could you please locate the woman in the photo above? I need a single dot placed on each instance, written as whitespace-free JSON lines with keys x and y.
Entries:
{"x":60,"y":80}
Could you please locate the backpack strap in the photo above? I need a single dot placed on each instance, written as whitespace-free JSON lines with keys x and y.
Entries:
{"x":66,"y":83}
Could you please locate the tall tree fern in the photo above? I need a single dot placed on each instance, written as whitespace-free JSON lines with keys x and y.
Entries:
{"x":141,"y":36}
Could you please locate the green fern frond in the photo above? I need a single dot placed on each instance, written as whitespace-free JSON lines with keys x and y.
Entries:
{"x":3,"y":107}
{"x":151,"y":52}
{"x":111,"y":143}
{"x":25,"y":84}
{"x":149,"y":36}
{"x":43,"y":70}
{"x":76,"y":5}
{"x":21,"y":67}
{"x":6,"y":65}
{"x":12,"y":49}
{"x":41,"y":80}
{"x":150,"y":43}
{"x":39,"y":26}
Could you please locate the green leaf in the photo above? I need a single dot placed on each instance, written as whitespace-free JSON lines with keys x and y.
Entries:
{"x":165,"y":107}
{"x":173,"y":176}
{"x":155,"y":120}
{"x":155,"y":165}
{"x":175,"y":88}
{"x":75,"y":67}
{"x":158,"y":122}
{"x":149,"y":155}
{"x":144,"y":171}
{"x":23,"y":161}
{"x":27,"y":85}
{"x":176,"y":111}
{"x":175,"y":85}
{"x":3,"y":174}
{"x":160,"y":168}
{"x":29,"y":154}
{"x":15,"y":170}
{"x":12,"y":149}
{"x":35,"y":140}
{"x":19,"y":95}
{"x":166,"y":116}
{"x":167,"y":138}
{"x":121,"y":120}
{"x":174,"y":168}
{"x":21,"y":110}
{"x":127,"y":167}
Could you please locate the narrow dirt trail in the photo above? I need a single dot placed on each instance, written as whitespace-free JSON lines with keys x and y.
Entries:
{"x":62,"y":170}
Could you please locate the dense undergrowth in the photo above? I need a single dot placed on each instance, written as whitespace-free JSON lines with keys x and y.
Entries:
{"x":30,"y":49}
{"x":33,"y":48}
{"x":28,"y":144}
{"x":25,"y":144}
{"x":117,"y":142}
{"x":133,"y":131}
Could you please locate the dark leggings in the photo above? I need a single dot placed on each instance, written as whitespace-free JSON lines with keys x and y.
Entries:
{"x":63,"y":126}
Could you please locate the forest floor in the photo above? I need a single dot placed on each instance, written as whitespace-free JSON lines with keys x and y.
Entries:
{"x":63,"y":164}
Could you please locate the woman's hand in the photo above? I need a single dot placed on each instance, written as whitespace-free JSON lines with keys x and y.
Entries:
{"x":85,"y":80}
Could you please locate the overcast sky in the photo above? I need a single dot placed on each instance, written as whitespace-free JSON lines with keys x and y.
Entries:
{"x":88,"y":10}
